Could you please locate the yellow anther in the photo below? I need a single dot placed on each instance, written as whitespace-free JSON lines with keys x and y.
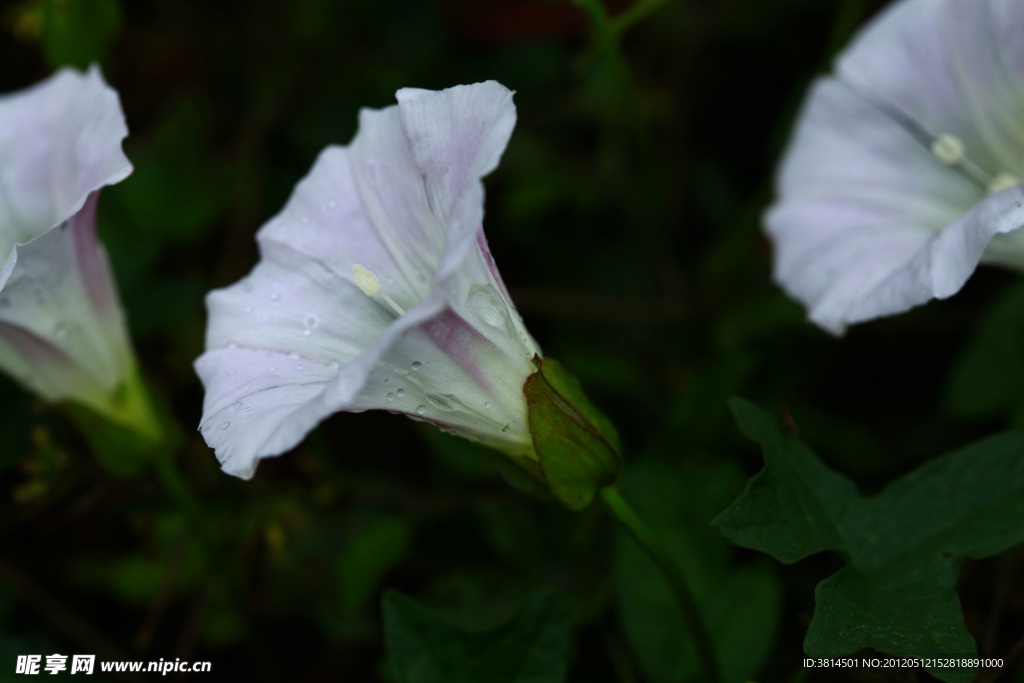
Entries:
{"x":1003,"y":181}
{"x":949,"y":149}
{"x":368,"y":282}
{"x":365,"y":279}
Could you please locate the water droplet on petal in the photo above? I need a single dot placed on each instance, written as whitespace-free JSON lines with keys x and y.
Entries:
{"x":416,"y":365}
{"x":237,"y":406}
{"x":273,"y":370}
{"x":487,"y":404}
{"x":386,"y":380}
{"x":248,"y":409}
{"x":231,"y":373}
{"x":275,"y":296}
{"x":401,"y":393}
{"x":225,"y":425}
{"x":334,"y":365}
{"x":293,"y":356}
{"x":391,"y":396}
{"x":306,"y":332}
{"x":304,"y":220}
{"x":312,"y":321}
{"x":233,"y":346}
{"x":422,"y":410}
{"x":332,"y":203}
{"x":300,"y":368}
{"x":505,"y":428}
{"x":247,"y":285}
{"x":248,"y":309}
{"x":61,"y":331}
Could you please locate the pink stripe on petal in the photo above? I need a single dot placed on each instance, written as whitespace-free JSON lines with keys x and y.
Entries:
{"x":457,"y":338}
{"x":481,"y":241}
{"x":92,"y":264}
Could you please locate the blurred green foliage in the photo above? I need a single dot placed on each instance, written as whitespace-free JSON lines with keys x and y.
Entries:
{"x":625,"y":218}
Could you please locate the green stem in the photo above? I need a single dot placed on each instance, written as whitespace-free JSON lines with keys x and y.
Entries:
{"x":670,"y":570}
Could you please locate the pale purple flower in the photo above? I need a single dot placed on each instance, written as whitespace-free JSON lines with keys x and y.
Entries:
{"x":62,"y":329}
{"x":904,"y":172}
{"x":376,"y":290}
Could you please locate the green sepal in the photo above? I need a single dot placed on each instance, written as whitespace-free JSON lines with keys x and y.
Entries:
{"x":576,"y":445}
{"x":133,"y":430}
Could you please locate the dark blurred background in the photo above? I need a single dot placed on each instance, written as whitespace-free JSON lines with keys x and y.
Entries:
{"x":625,"y":218}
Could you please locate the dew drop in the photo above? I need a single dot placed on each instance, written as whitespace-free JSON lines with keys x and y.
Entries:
{"x":391,"y":396}
{"x":416,"y":365}
{"x":275,"y":296}
{"x":422,"y":410}
{"x":307,"y":332}
{"x":293,"y":356}
{"x":401,"y":393}
{"x":304,"y":220}
{"x":61,"y":331}
{"x":505,"y":428}
{"x":312,"y":321}
{"x":386,"y":380}
{"x":233,"y":346}
{"x":273,"y":370}
{"x":248,"y":409}
{"x":248,"y":309}
{"x":225,"y":425}
{"x":332,"y":203}
{"x":300,"y":368}
{"x":334,"y":365}
{"x":487,"y":404}
{"x":237,"y":406}
{"x":231,"y":373}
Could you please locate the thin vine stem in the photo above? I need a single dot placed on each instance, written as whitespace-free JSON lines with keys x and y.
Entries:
{"x":647,"y":539}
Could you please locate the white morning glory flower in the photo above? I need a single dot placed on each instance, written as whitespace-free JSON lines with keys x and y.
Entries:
{"x":376,"y":290}
{"x":62,"y":330}
{"x":904,"y":172}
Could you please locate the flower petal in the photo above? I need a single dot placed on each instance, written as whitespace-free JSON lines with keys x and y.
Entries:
{"x":862,"y":197}
{"x":405,"y":201}
{"x":64,"y":332}
{"x":60,"y":140}
{"x":457,"y":136}
{"x":950,"y":67}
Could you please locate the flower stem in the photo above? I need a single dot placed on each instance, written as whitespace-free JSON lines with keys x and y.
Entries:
{"x":643,"y":535}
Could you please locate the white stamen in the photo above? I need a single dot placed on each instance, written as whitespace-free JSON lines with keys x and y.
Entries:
{"x":368,"y":282}
{"x":365,"y":279}
{"x":949,"y":149}
{"x":1003,"y":181}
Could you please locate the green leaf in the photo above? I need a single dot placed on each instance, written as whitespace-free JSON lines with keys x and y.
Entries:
{"x":369,"y":555}
{"x":740,"y":604}
{"x":987,"y":380}
{"x":577,"y":445}
{"x":533,"y":647}
{"x":903,"y":546}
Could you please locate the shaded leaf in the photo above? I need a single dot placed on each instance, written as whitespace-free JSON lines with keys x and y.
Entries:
{"x":533,"y":647}
{"x":903,"y":546}
{"x":741,"y":605}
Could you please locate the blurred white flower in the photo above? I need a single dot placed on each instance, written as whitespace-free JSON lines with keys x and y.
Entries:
{"x":376,"y":290}
{"x":904,"y":172}
{"x":62,"y":330}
